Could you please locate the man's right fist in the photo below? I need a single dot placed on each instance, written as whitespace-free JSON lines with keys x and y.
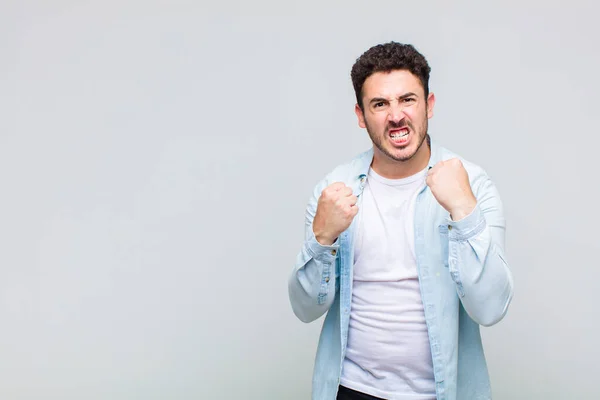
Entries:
{"x":335,"y":211}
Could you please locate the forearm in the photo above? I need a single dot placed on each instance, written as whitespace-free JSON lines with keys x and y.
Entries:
{"x":312,"y":283}
{"x":477,"y":264}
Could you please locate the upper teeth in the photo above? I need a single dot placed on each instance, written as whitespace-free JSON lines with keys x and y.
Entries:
{"x":399,"y":134}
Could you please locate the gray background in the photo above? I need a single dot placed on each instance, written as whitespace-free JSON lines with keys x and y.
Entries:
{"x":156,"y":159}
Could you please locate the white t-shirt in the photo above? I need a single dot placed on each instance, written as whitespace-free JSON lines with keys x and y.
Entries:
{"x":388,"y":353}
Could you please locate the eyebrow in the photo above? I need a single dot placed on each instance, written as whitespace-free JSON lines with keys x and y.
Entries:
{"x":404,"y":96}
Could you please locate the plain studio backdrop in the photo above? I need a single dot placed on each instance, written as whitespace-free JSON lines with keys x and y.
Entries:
{"x":156,"y":158}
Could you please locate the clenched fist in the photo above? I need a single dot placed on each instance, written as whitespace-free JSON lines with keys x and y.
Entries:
{"x":449,"y":184}
{"x":336,"y":209}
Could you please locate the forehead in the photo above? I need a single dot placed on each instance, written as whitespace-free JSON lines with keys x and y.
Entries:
{"x":391,"y":84}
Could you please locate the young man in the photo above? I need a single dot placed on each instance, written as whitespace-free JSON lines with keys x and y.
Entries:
{"x":404,"y":251}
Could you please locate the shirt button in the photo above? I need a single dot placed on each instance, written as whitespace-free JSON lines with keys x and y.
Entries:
{"x":333,"y":252}
{"x":449,"y":227}
{"x":327,"y":279}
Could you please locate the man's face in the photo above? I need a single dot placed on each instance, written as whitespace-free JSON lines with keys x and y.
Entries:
{"x":395,"y":114}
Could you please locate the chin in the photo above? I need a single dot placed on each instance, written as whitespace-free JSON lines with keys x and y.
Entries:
{"x":400,"y":156}
{"x":403,"y":154}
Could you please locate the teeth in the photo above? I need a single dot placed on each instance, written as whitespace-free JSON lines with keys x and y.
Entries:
{"x":398,"y":135}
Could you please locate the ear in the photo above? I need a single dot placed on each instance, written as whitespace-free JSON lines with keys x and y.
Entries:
{"x":360,"y":115}
{"x":430,"y":104}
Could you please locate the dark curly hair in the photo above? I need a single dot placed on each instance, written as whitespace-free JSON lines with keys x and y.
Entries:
{"x":385,"y":58}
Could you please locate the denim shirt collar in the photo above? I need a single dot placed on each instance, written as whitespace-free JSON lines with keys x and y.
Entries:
{"x":364,"y":162}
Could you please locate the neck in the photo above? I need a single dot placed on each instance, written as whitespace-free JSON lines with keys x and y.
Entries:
{"x":393,"y":169}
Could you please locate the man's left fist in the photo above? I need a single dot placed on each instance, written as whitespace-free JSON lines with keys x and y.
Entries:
{"x":449,"y":184}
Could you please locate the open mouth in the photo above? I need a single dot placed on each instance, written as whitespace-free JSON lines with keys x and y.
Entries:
{"x":399,"y":136}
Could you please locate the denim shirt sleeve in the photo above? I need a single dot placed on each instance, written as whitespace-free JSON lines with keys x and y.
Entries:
{"x":312,"y":284}
{"x":477,"y":262}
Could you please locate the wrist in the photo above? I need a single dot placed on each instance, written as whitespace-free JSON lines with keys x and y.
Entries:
{"x":463,"y":210}
{"x":324,"y":240}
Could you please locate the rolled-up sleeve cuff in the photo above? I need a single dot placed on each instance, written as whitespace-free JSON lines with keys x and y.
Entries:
{"x":468,"y":227}
{"x":322,"y":252}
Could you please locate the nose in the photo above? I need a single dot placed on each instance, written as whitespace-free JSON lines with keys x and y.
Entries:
{"x":396,"y":113}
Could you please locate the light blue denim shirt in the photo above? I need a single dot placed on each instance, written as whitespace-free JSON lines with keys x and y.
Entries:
{"x":463,"y":274}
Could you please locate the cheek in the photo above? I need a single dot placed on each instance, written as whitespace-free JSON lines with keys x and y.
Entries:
{"x":416,"y":117}
{"x":376,"y":121}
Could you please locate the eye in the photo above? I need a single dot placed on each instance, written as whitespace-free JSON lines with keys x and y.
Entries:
{"x":377,"y":105}
{"x":409,"y":100}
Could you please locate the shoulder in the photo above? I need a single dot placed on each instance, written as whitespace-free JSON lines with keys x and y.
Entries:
{"x":348,"y":172}
{"x":481,"y":183}
{"x":358,"y":165}
{"x":475,"y":171}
